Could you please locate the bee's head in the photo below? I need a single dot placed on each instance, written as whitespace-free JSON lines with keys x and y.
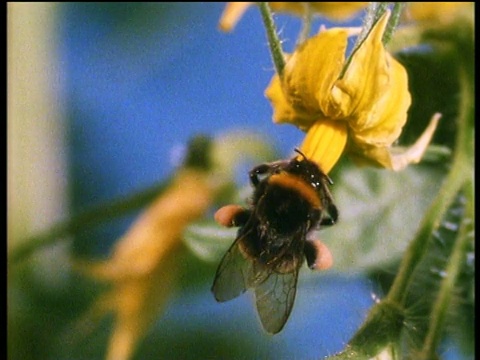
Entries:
{"x":308,"y":168}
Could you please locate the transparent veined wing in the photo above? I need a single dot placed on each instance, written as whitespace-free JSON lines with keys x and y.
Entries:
{"x":274,"y":298}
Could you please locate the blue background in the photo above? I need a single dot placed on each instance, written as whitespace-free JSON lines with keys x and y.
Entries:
{"x":143,"y":78}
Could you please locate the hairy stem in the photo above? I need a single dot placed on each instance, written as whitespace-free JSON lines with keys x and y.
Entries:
{"x":273,"y":40}
{"x":455,"y":263}
{"x":459,"y":174}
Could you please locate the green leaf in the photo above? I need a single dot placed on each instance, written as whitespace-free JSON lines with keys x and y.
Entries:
{"x":457,"y":310}
{"x":208,"y":240}
{"x":380,"y":211}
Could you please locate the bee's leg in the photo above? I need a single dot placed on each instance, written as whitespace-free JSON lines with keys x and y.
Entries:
{"x":258,"y":170}
{"x":318,"y":255}
{"x":328,"y":221}
{"x":241,"y":217}
{"x":232,"y":215}
{"x":333,"y":216}
{"x":333,"y":212}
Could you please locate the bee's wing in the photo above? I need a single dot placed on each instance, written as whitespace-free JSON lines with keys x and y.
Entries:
{"x":274,"y":292}
{"x":236,"y":271}
{"x":230,"y":277}
{"x":275,"y":297}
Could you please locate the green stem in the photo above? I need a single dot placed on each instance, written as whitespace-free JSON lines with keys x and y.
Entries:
{"x":465,"y":150}
{"x":306,"y":23}
{"x":459,"y":178}
{"x":379,"y":332}
{"x":198,"y":156}
{"x":392,"y":22}
{"x":459,"y":174}
{"x":417,"y":248}
{"x":456,"y":261}
{"x":379,"y":9}
{"x":87,"y":219}
{"x":273,"y":40}
{"x":372,"y":14}
{"x":374,"y":11}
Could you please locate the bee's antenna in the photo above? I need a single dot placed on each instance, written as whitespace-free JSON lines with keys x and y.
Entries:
{"x":301,"y":153}
{"x":330,"y":181}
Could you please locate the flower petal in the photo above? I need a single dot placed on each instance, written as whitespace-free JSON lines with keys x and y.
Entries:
{"x":283,"y":111}
{"x":338,"y":10}
{"x":325,"y":142}
{"x":310,"y":73}
{"x":383,"y":123}
{"x":156,"y":232}
{"x":145,"y":263}
{"x":373,"y":96}
{"x":231,"y":15}
{"x":397,"y":158}
{"x":371,"y":73}
{"x":313,"y":68}
{"x":412,"y":155}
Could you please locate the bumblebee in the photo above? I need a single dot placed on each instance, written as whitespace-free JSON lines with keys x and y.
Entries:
{"x":291,"y":199}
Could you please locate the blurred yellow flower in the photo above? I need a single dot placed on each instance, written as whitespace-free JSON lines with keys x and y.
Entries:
{"x":334,"y":10}
{"x":438,"y":13}
{"x":362,"y":111}
{"x":145,"y":262}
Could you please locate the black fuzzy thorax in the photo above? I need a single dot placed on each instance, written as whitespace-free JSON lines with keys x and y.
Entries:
{"x":284,"y":219}
{"x":281,"y":209}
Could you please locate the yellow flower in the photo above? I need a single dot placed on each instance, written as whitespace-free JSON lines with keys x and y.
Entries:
{"x":231,"y":14}
{"x":334,"y":10}
{"x":145,"y":263}
{"x":362,"y":111}
{"x":437,"y":14}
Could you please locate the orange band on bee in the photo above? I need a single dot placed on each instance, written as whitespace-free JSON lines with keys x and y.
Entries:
{"x":287,"y":180}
